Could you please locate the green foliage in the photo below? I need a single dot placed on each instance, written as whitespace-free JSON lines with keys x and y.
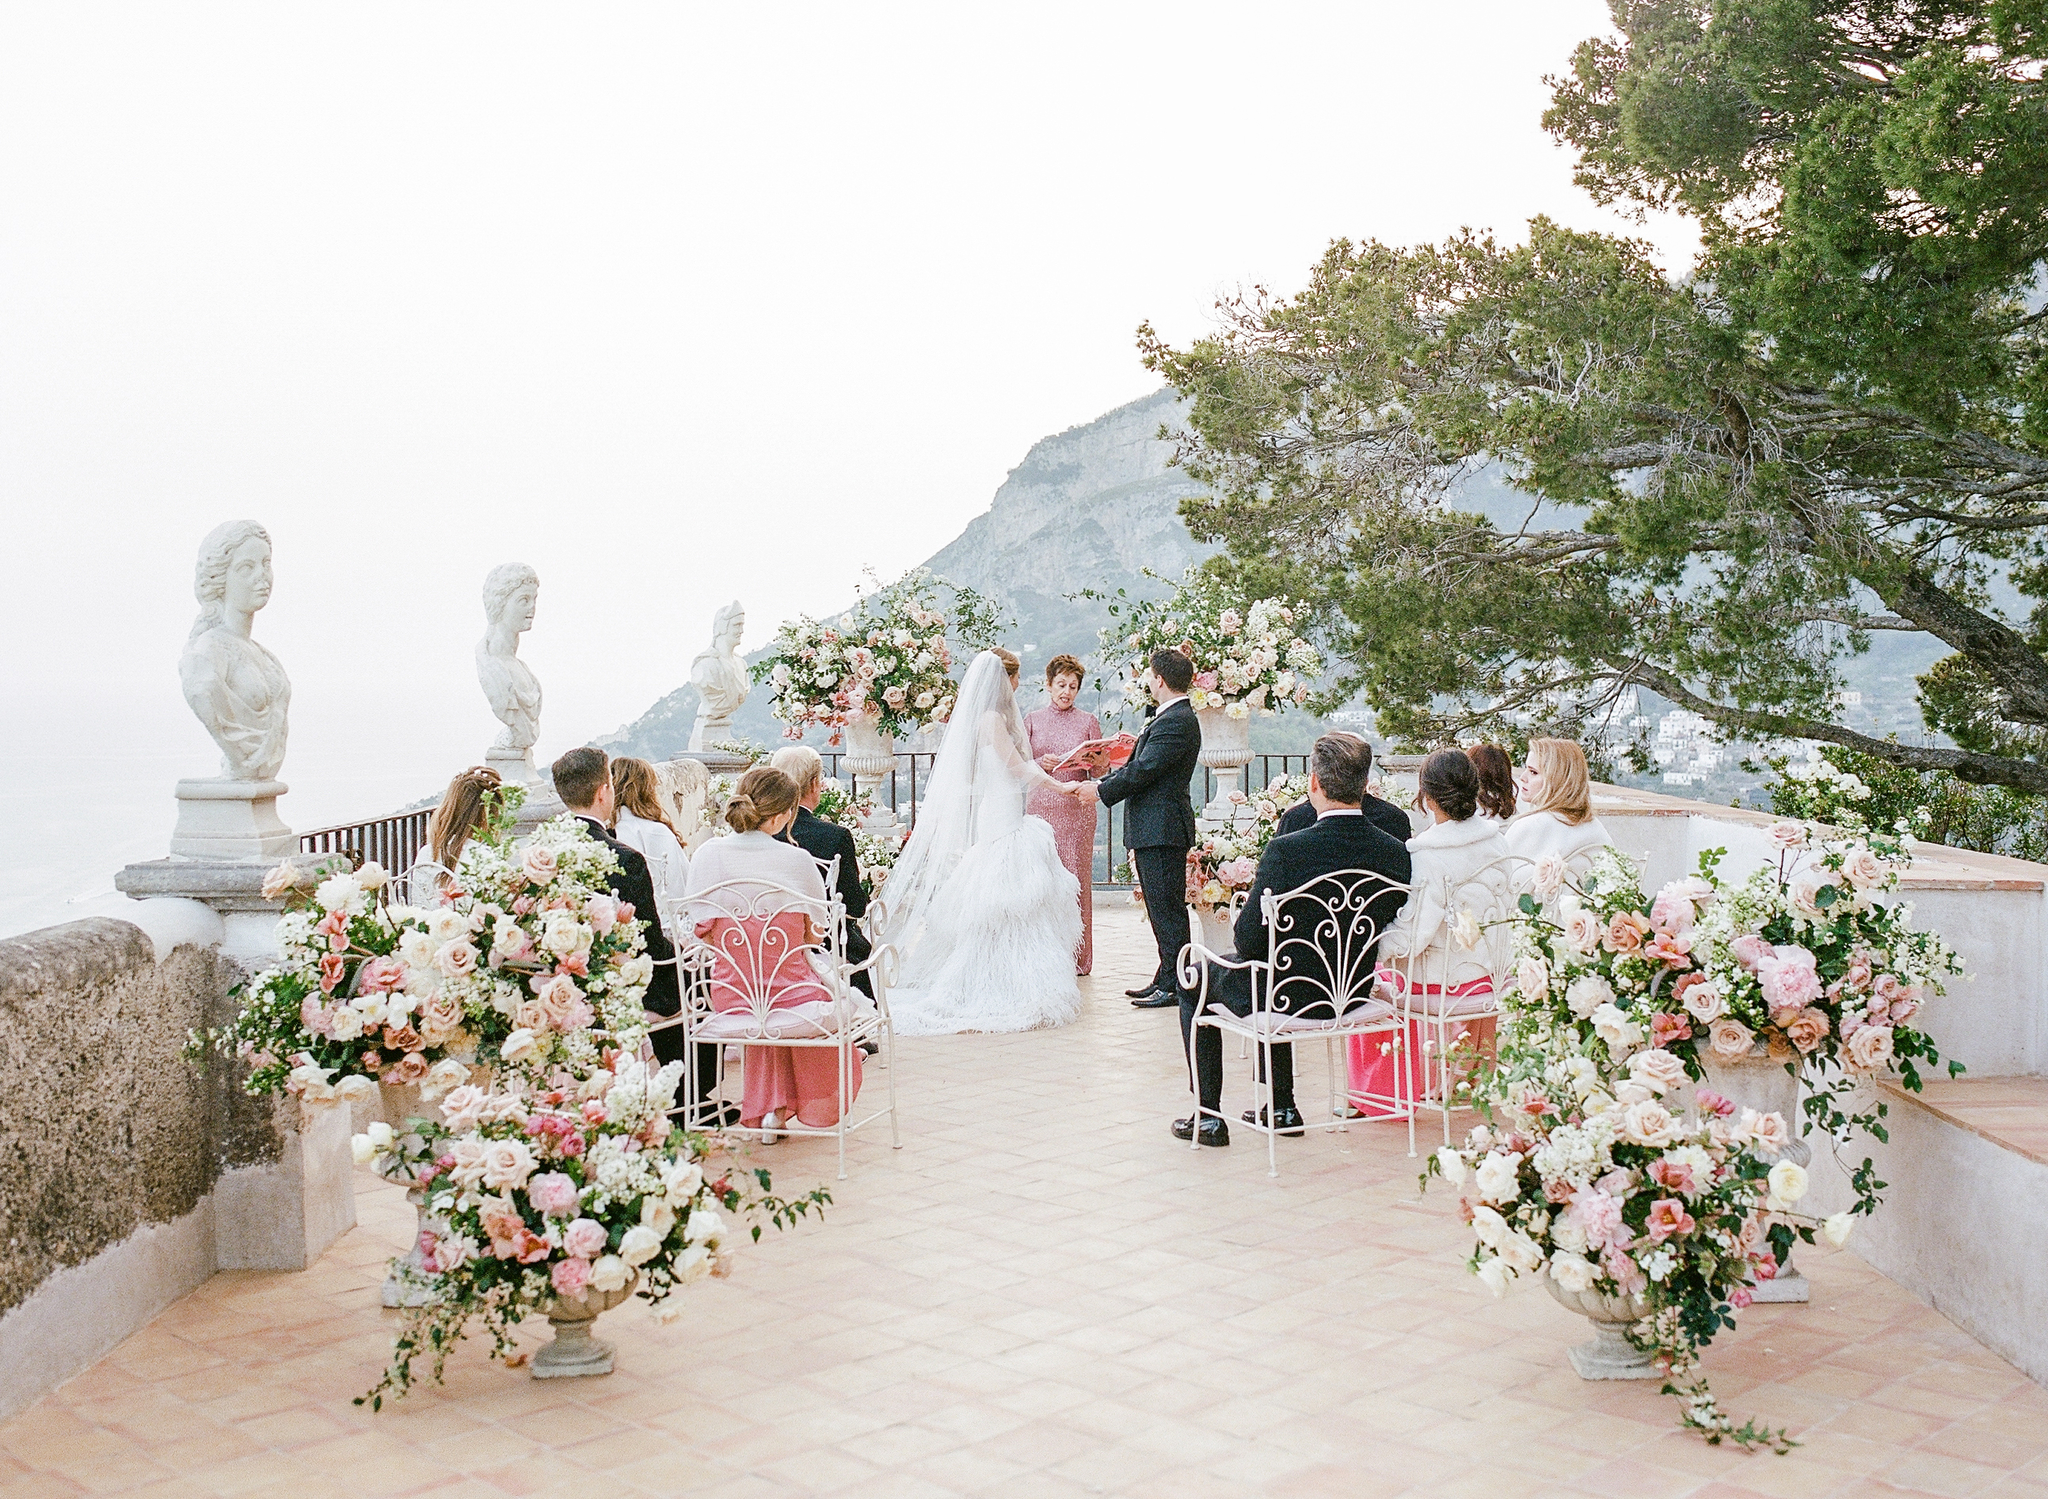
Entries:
{"x":1838,"y":425}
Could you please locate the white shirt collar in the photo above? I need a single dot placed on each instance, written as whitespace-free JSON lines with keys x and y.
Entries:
{"x":1341,"y":812}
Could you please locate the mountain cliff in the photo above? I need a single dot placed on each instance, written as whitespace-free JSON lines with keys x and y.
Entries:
{"x":1090,"y":507}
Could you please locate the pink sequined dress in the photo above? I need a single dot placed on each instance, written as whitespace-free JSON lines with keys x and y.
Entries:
{"x":1054,"y":731}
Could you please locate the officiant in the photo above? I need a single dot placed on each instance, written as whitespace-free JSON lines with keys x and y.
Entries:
{"x":1056,"y":730}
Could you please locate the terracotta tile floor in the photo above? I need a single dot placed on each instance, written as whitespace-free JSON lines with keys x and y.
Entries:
{"x":1044,"y":1295}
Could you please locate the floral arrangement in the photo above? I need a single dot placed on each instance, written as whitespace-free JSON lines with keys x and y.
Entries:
{"x":549,"y":1190}
{"x":1246,"y":652}
{"x":1223,"y":865}
{"x":877,"y":852}
{"x":886,"y":659}
{"x":531,"y":952}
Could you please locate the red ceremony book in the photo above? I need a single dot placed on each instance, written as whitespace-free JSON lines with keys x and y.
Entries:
{"x":1099,"y":754}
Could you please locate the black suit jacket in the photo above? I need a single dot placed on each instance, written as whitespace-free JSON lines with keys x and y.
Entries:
{"x":1383,"y":815}
{"x":1303,"y":976}
{"x":825,"y":841}
{"x":635,"y":886}
{"x":1155,"y":781}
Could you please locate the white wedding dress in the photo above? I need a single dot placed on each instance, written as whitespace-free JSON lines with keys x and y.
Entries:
{"x":980,"y":905}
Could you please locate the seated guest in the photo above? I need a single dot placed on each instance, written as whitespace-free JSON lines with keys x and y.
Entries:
{"x":462,"y":812}
{"x":1384,"y":815}
{"x":1341,"y":839}
{"x":1460,"y":864}
{"x":1556,"y":814}
{"x":583,"y":781}
{"x":644,"y":824}
{"x":762,"y":934}
{"x":826,"y":841}
{"x":1496,"y":781}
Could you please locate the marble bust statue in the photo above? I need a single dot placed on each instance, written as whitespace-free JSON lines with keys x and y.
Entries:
{"x":720,"y":677}
{"x":237,"y":688}
{"x":511,"y":591}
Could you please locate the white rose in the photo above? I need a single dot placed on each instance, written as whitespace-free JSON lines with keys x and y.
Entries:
{"x":1494,"y":1276}
{"x":609,"y":1273}
{"x":1452,"y":1165}
{"x":1588,"y":994}
{"x":348,"y":1023}
{"x":1573,"y":1273}
{"x":1495,"y":1178}
{"x":1788,"y":1185}
{"x":1614,"y":1027}
{"x":1657,"y":1069}
{"x":681,"y":1181}
{"x":1649,"y":1123}
{"x":1532,"y":978}
{"x":507,"y":1163}
{"x":360,"y":1147}
{"x":355,"y":1088}
{"x":637,"y":971}
{"x":457,"y":959}
{"x":1466,"y":929}
{"x":658,"y":1215}
{"x":372,"y":876}
{"x":312,"y":1083}
{"x":1523,"y":1254}
{"x":1835,"y":1228}
{"x":694,"y":1263}
{"x":379,"y":1134}
{"x":1705,"y":1002}
{"x":640,"y":1245}
{"x":1568,"y":1234}
{"x":704,"y":1227}
{"x":463,"y":1107}
{"x":441,"y":1077}
{"x":1488,"y":1225}
{"x":520,"y":1046}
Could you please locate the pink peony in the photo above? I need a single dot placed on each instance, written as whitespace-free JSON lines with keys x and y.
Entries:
{"x":1668,"y":1219}
{"x":1599,"y":1214}
{"x":1206,"y":680}
{"x":602,"y":912}
{"x":585,"y":1238}
{"x":1671,"y":912}
{"x":1238,"y":872}
{"x":1749,"y":951}
{"x":381,"y":975}
{"x":554,"y":1194}
{"x":1790,"y":980}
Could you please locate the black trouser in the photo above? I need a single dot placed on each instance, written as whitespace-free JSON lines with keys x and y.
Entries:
{"x":1163,"y":876}
{"x":1232,"y":988}
{"x":668,"y":1047}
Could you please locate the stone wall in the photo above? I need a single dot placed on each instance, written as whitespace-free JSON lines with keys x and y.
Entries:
{"x":131,"y":1174}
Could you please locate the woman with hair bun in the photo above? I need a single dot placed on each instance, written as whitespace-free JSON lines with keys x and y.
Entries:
{"x":1458,"y":865}
{"x":755,"y":936}
{"x":462,"y":812}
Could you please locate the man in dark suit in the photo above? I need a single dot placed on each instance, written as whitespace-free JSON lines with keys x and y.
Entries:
{"x":1304,"y":977}
{"x":583,"y":780}
{"x":1383,"y":815}
{"x":1159,"y":823}
{"x":826,"y":841}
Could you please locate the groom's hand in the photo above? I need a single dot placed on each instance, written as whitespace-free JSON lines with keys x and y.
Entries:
{"x":1086,"y":791}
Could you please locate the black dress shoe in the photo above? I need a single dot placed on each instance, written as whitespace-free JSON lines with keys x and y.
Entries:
{"x":1286,"y":1121}
{"x":1214,"y":1131}
{"x":1159,"y":999}
{"x":1146,"y":991}
{"x":869,"y":1048}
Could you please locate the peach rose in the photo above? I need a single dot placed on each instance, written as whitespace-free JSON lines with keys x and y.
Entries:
{"x":539,"y":865}
{"x":1730,"y":1038}
{"x":1625,"y":932}
{"x":1807,"y":1029}
{"x":1870,"y":1048}
{"x":411,"y":1068}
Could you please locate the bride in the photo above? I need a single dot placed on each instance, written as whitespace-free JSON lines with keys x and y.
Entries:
{"x":979,"y":902}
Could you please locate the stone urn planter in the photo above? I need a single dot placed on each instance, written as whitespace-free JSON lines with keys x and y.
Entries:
{"x":573,"y":1353}
{"x":1213,"y":930}
{"x":1760,"y":1082}
{"x":870,"y":757}
{"x":1226,"y":750}
{"x":1610,"y":1355}
{"x":398,"y":1292}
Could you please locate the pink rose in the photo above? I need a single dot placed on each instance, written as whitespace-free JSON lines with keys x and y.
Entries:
{"x":554,"y":1194}
{"x":585,"y":1238}
{"x":1804,"y":892}
{"x":1862,"y":868}
{"x":1904,"y":1004}
{"x":1625,"y":932}
{"x":1749,"y":951}
{"x":1870,"y":1048}
{"x":532,"y":1015}
{"x":411,"y":1068}
{"x":1787,"y":834}
{"x":440,"y":1018}
{"x":1730,"y":1038}
{"x":1807,"y":1029}
{"x":1582,"y":930}
{"x":1740,"y":1298}
{"x":1767,"y":1130}
{"x":381,"y":975}
{"x":522,"y":905}
{"x":1668,"y":1219}
{"x":539,"y":865}
{"x":602,"y":912}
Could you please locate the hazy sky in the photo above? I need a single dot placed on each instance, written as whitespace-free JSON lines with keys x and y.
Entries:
{"x":676,"y":303}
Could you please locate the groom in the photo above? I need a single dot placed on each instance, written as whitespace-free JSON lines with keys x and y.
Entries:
{"x":1159,"y":825}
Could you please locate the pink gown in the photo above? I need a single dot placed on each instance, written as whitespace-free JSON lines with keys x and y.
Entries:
{"x":1055,"y":731}
{"x":798,"y":1081}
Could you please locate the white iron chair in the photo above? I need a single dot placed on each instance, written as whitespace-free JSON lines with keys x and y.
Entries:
{"x":1420,"y":987}
{"x":1321,"y":940}
{"x":753,"y":958}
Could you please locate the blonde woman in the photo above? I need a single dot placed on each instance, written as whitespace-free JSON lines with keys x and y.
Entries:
{"x":1556,"y":816}
{"x":643,"y":824}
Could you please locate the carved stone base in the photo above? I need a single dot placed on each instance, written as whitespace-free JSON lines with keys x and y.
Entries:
{"x":223,"y":819}
{"x":1787,"y":1286}
{"x":575,"y":1353}
{"x":512,"y":765}
{"x":232,"y":887}
{"x":1611,"y":1356}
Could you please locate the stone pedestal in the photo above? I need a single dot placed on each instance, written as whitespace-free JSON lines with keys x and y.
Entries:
{"x":514,"y":765}
{"x":283,"y":1214}
{"x":1226,"y":751}
{"x":232,"y":888}
{"x":224,"y":819}
{"x":717,"y":762}
{"x":1758,"y":1082}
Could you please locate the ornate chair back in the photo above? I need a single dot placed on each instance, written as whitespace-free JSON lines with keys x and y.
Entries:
{"x":763,"y":952}
{"x":1322,"y":938}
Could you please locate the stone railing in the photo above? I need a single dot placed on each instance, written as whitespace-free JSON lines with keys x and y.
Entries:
{"x":132,"y":1174}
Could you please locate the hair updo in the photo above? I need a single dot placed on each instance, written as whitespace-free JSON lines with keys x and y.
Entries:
{"x":210,"y":573}
{"x":501,"y":582}
{"x":764,"y":794}
{"x":1449,"y":780}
